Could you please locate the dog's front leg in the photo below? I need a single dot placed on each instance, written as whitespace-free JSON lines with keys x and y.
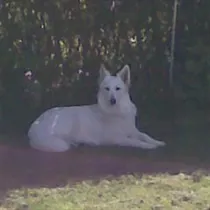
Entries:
{"x":131,"y":142}
{"x":146,"y":138}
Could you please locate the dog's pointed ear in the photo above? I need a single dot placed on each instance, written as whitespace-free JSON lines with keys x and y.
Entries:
{"x":103,"y":72}
{"x":124,"y":74}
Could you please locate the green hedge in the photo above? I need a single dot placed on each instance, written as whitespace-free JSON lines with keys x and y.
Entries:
{"x":57,"y":39}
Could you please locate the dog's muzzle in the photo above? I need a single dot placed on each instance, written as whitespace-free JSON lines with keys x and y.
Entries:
{"x":113,"y":101}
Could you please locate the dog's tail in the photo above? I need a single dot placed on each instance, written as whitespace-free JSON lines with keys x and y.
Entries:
{"x":55,"y":145}
{"x":46,"y":143}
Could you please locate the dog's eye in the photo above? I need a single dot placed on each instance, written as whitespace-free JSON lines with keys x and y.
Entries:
{"x":107,"y":88}
{"x":117,"y":88}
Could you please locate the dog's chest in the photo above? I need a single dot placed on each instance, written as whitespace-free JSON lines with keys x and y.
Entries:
{"x":116,"y":125}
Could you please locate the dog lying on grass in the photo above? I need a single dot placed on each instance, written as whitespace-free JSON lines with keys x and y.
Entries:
{"x":109,"y":122}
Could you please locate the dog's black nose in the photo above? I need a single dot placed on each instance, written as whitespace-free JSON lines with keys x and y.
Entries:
{"x":113,"y":101}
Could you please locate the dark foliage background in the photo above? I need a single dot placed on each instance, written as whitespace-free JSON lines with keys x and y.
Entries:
{"x":50,"y":52}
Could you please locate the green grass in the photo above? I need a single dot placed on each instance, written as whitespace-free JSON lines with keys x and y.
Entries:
{"x":182,"y":192}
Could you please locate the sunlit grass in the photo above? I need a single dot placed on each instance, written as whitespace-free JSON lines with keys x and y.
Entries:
{"x":183,"y":192}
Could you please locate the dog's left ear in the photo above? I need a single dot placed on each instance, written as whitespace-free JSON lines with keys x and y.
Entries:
{"x":124,"y":74}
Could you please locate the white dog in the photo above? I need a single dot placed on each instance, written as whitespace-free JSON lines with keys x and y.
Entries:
{"x":109,"y":122}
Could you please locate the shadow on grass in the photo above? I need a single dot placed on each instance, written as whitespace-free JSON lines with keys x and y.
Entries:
{"x":25,"y":167}
{"x":187,"y":151}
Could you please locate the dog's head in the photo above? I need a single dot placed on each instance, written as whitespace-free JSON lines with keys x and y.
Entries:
{"x":112,"y":89}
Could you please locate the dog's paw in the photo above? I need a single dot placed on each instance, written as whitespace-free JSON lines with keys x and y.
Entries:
{"x":151,"y":146}
{"x":161,"y":143}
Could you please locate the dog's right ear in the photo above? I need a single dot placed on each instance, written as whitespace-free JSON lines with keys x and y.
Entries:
{"x":103,"y":73}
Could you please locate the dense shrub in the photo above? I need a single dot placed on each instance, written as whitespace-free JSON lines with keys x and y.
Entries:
{"x":51,"y":52}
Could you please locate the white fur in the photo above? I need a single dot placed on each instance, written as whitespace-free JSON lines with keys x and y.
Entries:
{"x":57,"y":129}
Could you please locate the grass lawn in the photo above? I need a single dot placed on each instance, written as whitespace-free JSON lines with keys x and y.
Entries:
{"x":182,"y":192}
